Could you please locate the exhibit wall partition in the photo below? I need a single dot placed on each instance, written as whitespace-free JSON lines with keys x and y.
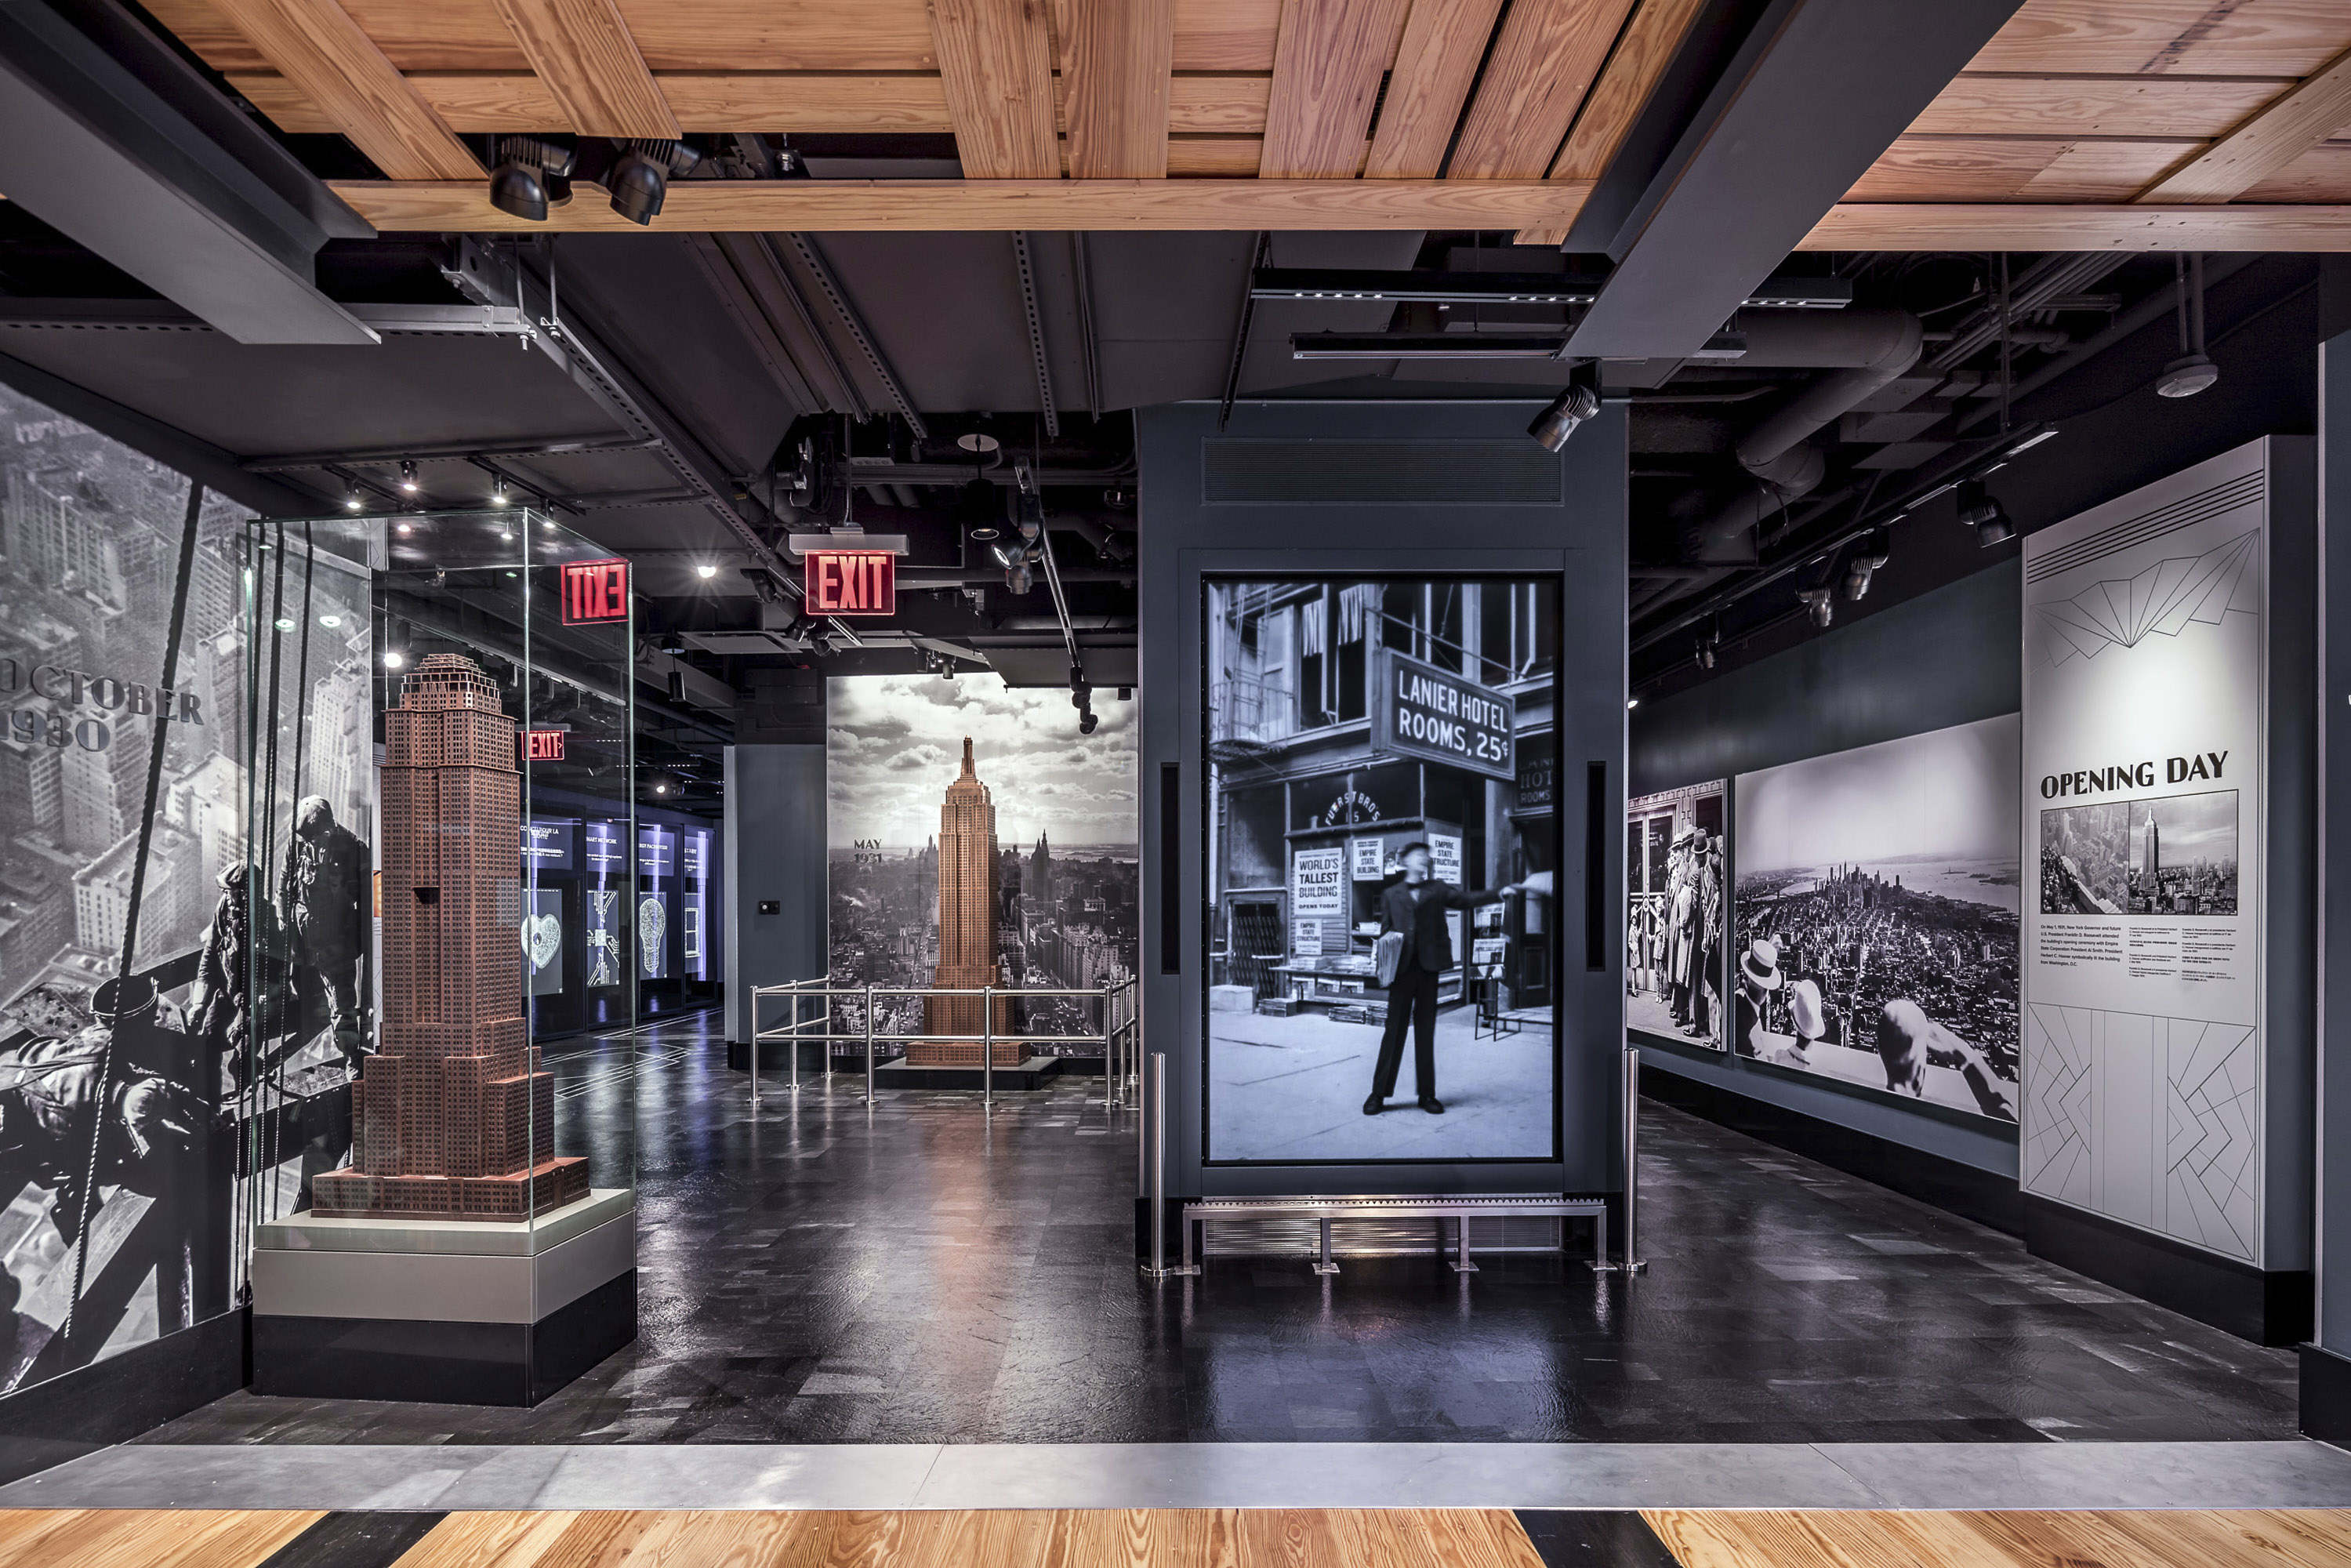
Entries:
{"x":1382,"y":695}
{"x":2168,"y":778}
{"x":2017,"y":923}
{"x":1853,"y":755}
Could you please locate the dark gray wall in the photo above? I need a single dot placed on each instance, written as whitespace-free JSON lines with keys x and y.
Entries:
{"x":775,"y":850}
{"x":1950,"y":656}
{"x":1582,"y":538}
{"x":2333,"y":987}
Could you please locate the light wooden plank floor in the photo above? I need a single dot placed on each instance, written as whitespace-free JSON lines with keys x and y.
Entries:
{"x":1788,"y":1538}
{"x":1193,"y":1538}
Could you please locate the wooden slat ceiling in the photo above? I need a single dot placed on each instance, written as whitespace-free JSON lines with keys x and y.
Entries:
{"x":2149,"y":103}
{"x":2096,"y":118}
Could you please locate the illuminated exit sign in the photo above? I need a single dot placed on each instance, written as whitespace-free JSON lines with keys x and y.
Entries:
{"x":851,"y":583}
{"x":595,"y":591}
{"x":542,"y":745}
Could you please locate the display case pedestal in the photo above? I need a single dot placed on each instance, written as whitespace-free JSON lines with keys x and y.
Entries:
{"x":453,"y":1311}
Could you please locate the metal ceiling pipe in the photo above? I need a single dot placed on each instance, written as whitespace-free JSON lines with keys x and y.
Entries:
{"x":1776,"y":450}
{"x":1894,"y":348}
{"x":1853,"y":338}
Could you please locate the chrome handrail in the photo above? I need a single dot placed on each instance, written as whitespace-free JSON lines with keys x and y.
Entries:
{"x":1119,"y":1037}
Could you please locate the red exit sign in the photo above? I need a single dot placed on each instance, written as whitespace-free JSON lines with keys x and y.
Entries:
{"x":594,"y":591}
{"x":851,"y":583}
{"x":542,"y":745}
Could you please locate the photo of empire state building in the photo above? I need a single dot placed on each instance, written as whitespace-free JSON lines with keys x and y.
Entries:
{"x":968,"y":915}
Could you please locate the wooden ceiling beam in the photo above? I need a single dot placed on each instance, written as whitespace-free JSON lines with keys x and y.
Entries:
{"x":582,"y":50}
{"x":315,"y":45}
{"x":1434,"y":67}
{"x":995,"y":205}
{"x":1327,"y":62}
{"x":996,"y":63}
{"x":2026,"y":226}
{"x":1542,"y":65}
{"x":1121,"y":58}
{"x":2297,"y":121}
{"x":1220,"y":105}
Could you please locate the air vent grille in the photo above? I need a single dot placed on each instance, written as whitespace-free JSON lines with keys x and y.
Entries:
{"x":1244,"y":471}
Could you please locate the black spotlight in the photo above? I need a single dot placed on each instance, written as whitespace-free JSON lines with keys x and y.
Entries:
{"x":1981,"y":510}
{"x":1820,"y":602}
{"x":640,"y":176}
{"x":1571,"y":408}
{"x":527,"y":171}
{"x":1869,"y":557}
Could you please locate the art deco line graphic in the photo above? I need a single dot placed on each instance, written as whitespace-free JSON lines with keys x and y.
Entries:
{"x":2166,"y":598}
{"x":2201,"y":1186}
{"x":453,"y":1116}
{"x":967,"y":956}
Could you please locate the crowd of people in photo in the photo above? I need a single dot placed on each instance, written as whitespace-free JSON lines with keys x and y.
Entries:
{"x":1674,"y":937}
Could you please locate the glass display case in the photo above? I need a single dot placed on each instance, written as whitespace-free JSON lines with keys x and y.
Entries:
{"x":440,"y":802}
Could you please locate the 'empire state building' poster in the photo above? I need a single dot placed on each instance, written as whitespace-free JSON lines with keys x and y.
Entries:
{"x":967,"y":958}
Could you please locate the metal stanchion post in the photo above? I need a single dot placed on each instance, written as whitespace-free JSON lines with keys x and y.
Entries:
{"x":1633,"y":1263}
{"x":868,"y":1044}
{"x":988,"y":1049}
{"x":796,"y":1045}
{"x":754,"y":1049}
{"x":1155,"y":1111}
{"x":1159,"y":1166}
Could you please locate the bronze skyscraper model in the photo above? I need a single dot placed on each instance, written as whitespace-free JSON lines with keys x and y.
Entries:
{"x":967,"y":931}
{"x":453,"y":1117}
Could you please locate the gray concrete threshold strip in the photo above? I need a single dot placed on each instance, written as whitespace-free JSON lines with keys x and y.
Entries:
{"x":1199,"y":1475}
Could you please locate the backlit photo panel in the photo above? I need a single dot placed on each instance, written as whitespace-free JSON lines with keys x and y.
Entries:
{"x":1382,"y":957}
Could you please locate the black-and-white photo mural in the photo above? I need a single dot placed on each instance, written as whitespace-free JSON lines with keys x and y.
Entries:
{"x":1382,"y":967}
{"x":1877,"y":920}
{"x":128,"y":988}
{"x":1676,"y":903}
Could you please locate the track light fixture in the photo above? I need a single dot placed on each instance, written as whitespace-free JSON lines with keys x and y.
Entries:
{"x":407,"y":477}
{"x":1870,"y":553}
{"x":1709,"y":642}
{"x":705,"y":571}
{"x":2191,"y":372}
{"x":1979,"y":509}
{"x":639,"y":179}
{"x":498,"y":497}
{"x":532,"y":173}
{"x":1570,"y":409}
{"x":1821,"y":602}
{"x":352,"y":500}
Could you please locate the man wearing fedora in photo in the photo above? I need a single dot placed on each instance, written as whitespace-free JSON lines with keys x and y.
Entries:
{"x":1758,"y":976}
{"x":1415,"y":909}
{"x":1808,"y":1018}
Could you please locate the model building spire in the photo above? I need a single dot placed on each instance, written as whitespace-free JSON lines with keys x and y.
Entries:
{"x":453,"y":1116}
{"x":966,"y":847}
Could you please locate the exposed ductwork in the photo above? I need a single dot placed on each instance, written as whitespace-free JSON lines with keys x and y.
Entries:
{"x":1874,"y":345}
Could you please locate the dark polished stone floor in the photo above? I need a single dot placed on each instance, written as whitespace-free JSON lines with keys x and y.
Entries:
{"x":924,"y":1272}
